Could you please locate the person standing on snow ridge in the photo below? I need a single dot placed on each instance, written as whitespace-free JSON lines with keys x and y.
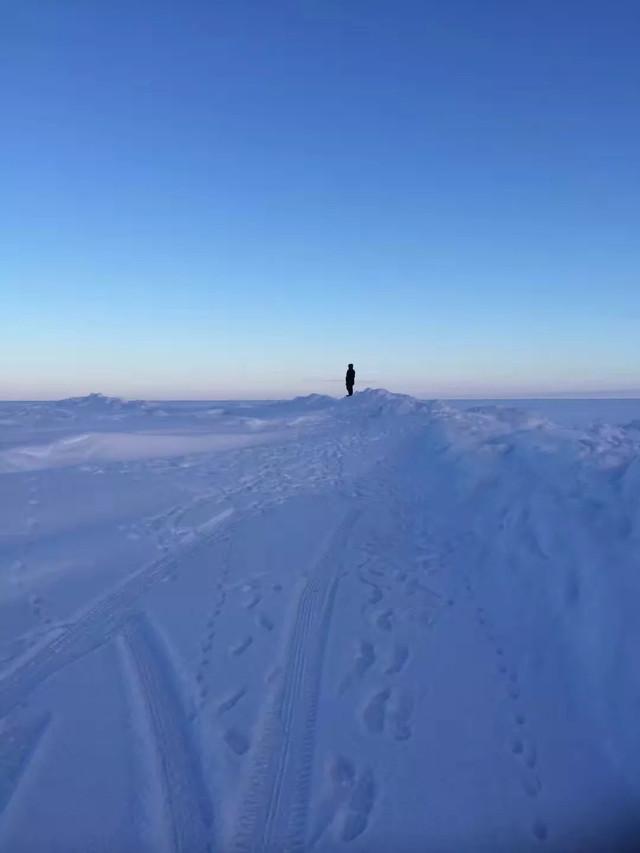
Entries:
{"x":350,"y":379}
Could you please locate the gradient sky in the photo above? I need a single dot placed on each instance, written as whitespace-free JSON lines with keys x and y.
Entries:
{"x":234,"y":198}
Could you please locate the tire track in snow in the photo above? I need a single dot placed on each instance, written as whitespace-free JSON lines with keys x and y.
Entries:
{"x":273,"y":818}
{"x":18,"y":743}
{"x":91,"y":629}
{"x":186,"y":797}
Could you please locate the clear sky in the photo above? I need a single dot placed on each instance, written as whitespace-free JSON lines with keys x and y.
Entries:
{"x":228,"y":198}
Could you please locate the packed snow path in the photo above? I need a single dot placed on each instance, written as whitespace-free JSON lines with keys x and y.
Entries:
{"x":358,"y":625}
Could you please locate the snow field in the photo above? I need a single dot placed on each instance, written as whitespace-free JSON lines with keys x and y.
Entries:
{"x":358,"y":625}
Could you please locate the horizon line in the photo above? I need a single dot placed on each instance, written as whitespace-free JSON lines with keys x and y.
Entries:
{"x":618,"y":394}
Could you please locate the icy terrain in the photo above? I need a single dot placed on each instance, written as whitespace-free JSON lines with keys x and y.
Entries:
{"x":370,"y":624}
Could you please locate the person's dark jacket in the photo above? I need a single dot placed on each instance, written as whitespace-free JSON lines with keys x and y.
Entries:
{"x":350,"y":377}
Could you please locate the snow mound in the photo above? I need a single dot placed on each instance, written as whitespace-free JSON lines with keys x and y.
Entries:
{"x":512,"y":416}
{"x":100,"y":404}
{"x":312,"y":403}
{"x":379,"y":401}
{"x":304,"y":405}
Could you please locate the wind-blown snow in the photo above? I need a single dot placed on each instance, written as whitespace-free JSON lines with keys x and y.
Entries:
{"x":364,"y":624}
{"x":113,"y":446}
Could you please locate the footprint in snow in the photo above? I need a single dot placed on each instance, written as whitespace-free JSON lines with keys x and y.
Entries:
{"x":241,"y":647}
{"x":341,"y":775}
{"x":265,"y":622}
{"x":384,"y":620}
{"x":253,"y":602}
{"x":399,"y":659}
{"x":364,"y":660}
{"x":401,"y":718}
{"x":236,"y":741}
{"x":230,"y":703}
{"x":375,"y":595}
{"x":375,"y":711}
{"x":540,"y":830}
{"x":531,"y":784}
{"x":39,"y":611}
{"x":523,"y":747}
{"x":359,"y":808}
{"x":342,"y":772}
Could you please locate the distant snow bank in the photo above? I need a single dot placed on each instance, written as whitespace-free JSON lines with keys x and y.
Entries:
{"x":100,"y":402}
{"x":97,"y":405}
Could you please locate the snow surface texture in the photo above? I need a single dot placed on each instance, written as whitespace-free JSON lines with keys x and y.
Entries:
{"x":367,"y":624}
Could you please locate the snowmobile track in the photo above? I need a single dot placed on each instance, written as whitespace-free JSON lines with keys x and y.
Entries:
{"x":186,"y":796}
{"x":18,"y":743}
{"x":273,"y":817}
{"x":90,"y":630}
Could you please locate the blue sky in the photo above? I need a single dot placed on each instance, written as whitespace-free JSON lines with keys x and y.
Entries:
{"x":228,"y":198}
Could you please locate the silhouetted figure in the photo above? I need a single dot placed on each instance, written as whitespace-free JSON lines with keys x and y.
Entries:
{"x":350,"y":379}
